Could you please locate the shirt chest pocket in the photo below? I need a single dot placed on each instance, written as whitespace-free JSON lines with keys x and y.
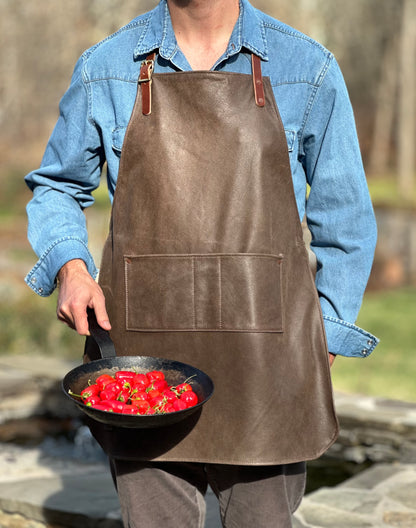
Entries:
{"x":290,"y":139}
{"x":117,"y":139}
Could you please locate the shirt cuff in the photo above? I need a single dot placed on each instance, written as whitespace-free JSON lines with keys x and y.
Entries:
{"x":42,"y":277}
{"x":347,"y":339}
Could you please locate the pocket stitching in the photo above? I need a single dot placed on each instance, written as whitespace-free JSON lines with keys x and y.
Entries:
{"x":220,"y":323}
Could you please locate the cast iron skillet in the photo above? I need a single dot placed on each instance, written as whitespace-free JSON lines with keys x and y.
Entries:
{"x":175,"y":373}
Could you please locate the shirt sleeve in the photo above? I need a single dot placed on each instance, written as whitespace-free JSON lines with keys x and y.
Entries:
{"x":339,"y":214}
{"x":62,"y":188}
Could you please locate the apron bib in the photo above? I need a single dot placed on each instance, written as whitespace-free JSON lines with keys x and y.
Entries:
{"x":205,"y":263}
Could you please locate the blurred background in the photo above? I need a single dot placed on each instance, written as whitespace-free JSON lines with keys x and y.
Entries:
{"x":374,"y":42}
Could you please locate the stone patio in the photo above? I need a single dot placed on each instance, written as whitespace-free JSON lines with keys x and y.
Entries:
{"x":383,"y":496}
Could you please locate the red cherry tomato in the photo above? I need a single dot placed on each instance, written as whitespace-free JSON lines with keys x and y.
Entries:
{"x":130,"y":409}
{"x":104,"y":380}
{"x":131,"y":393}
{"x":183,"y":387}
{"x":92,"y":400}
{"x":159,"y":385}
{"x":152,"y":394}
{"x":169,"y":395}
{"x":142,"y":406}
{"x":109,"y":394}
{"x":91,"y":390}
{"x":140,"y":381}
{"x":157,"y":402}
{"x":114,"y":385}
{"x":102,"y":407}
{"x":123,"y":395}
{"x":179,"y":405}
{"x":154,"y":375}
{"x":125,"y":375}
{"x":117,"y":406}
{"x":140,"y":395}
{"x":189,"y":397}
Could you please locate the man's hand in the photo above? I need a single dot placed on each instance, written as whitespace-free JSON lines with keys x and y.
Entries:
{"x":77,"y":292}
{"x":331,"y":359}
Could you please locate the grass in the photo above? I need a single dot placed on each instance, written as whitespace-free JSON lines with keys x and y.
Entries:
{"x":390,"y":371}
{"x":29,"y":326}
{"x":384,"y":191}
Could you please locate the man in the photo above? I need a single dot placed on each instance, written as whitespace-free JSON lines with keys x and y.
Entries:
{"x":235,"y":114}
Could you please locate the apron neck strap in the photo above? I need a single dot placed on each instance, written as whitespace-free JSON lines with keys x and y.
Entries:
{"x":257,"y":80}
{"x":148,"y":65}
{"x":145,"y":81}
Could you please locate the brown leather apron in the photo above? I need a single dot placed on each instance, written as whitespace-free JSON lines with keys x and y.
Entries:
{"x":205,"y":263}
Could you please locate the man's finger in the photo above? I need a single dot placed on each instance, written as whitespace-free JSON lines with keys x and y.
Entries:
{"x":65,"y":320}
{"x":102,"y":315}
{"x":81,"y":321}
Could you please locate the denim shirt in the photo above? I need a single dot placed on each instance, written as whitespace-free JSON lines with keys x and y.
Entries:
{"x":323,"y":148}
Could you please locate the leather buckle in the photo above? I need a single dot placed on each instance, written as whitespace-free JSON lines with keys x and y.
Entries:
{"x":146,"y":70}
{"x":145,"y":81}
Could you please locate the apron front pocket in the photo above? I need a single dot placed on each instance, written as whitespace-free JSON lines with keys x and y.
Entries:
{"x":210,"y":292}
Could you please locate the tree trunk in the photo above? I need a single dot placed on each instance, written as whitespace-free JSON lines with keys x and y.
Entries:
{"x":385,"y":111}
{"x":407,"y":100}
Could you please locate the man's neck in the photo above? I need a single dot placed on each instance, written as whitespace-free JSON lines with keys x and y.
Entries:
{"x":203,"y":28}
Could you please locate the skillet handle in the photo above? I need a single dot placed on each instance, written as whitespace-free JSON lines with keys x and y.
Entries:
{"x":101,"y":336}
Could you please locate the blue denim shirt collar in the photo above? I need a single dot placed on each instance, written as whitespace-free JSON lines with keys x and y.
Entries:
{"x":248,"y":32}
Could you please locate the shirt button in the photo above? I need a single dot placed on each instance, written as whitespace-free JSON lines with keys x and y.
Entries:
{"x":369,"y":342}
{"x":40,"y":290}
{"x":364,"y":351}
{"x":33,"y":280}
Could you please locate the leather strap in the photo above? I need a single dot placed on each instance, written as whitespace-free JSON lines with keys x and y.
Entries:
{"x":145,"y":80}
{"x":146,"y":72}
{"x":257,"y":80}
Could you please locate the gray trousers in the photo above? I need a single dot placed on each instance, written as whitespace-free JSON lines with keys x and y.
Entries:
{"x":171,"y":494}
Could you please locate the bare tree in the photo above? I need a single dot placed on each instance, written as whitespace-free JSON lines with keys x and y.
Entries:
{"x":385,"y":110}
{"x":407,"y":100}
